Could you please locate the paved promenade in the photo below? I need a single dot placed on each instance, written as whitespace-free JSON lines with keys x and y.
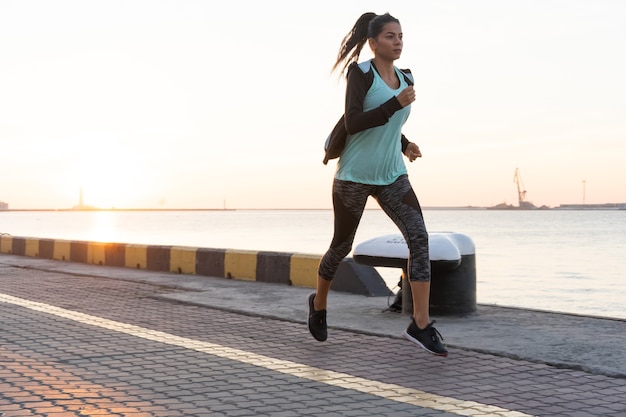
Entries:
{"x":84,"y":340}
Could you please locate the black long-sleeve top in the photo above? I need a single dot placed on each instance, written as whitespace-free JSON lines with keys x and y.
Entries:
{"x":355,"y":119}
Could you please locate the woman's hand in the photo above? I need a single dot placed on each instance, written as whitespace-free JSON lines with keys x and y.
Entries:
{"x":406,"y":96}
{"x":412,"y":151}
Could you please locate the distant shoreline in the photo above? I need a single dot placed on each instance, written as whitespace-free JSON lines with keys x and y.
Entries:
{"x":563,"y":207}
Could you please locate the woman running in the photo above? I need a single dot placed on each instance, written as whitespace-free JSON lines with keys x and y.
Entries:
{"x":378,"y":102}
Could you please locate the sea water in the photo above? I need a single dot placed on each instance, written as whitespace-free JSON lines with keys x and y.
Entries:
{"x":556,"y":260}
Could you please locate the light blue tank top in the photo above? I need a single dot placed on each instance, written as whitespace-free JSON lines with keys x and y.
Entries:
{"x":374,"y":156}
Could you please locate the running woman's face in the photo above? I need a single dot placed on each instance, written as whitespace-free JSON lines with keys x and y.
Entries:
{"x":388,"y":44}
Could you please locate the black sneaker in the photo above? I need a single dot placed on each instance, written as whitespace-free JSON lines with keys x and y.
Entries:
{"x":317,"y":321}
{"x":428,"y":338}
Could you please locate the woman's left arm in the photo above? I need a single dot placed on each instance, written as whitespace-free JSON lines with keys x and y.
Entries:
{"x":412,"y":151}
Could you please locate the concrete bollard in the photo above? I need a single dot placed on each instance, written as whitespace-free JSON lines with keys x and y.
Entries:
{"x":453,"y":269}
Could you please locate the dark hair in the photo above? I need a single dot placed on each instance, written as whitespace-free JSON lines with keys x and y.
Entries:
{"x":369,"y":25}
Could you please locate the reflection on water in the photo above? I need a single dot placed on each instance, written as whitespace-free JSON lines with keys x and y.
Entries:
{"x":102,"y":228}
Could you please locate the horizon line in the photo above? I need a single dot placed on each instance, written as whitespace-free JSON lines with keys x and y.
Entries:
{"x":620,"y":206}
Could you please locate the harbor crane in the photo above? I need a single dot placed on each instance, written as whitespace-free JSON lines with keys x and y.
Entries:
{"x":521,"y":191}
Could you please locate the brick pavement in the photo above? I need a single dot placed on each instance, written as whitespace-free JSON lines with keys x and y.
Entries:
{"x":74,"y":345}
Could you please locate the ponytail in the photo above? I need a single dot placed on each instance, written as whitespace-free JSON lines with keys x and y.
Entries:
{"x":369,"y":25}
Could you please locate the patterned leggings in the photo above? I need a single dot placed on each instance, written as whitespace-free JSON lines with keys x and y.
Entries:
{"x":399,"y":202}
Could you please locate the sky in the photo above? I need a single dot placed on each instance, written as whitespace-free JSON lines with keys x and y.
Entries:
{"x":202,"y":104}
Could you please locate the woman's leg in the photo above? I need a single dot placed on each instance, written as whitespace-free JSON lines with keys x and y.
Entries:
{"x":349,"y":200}
{"x":400,"y":203}
{"x":321,"y":293}
{"x":420,"y":290}
{"x":348,"y":203}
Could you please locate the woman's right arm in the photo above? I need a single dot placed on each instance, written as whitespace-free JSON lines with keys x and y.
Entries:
{"x":358,"y":120}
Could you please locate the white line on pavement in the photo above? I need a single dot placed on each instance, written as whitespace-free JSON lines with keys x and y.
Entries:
{"x":338,"y":379}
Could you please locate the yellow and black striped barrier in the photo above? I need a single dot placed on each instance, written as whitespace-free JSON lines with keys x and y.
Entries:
{"x":297,"y":269}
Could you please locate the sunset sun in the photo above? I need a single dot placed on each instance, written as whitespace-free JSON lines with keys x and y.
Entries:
{"x":107,"y":178}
